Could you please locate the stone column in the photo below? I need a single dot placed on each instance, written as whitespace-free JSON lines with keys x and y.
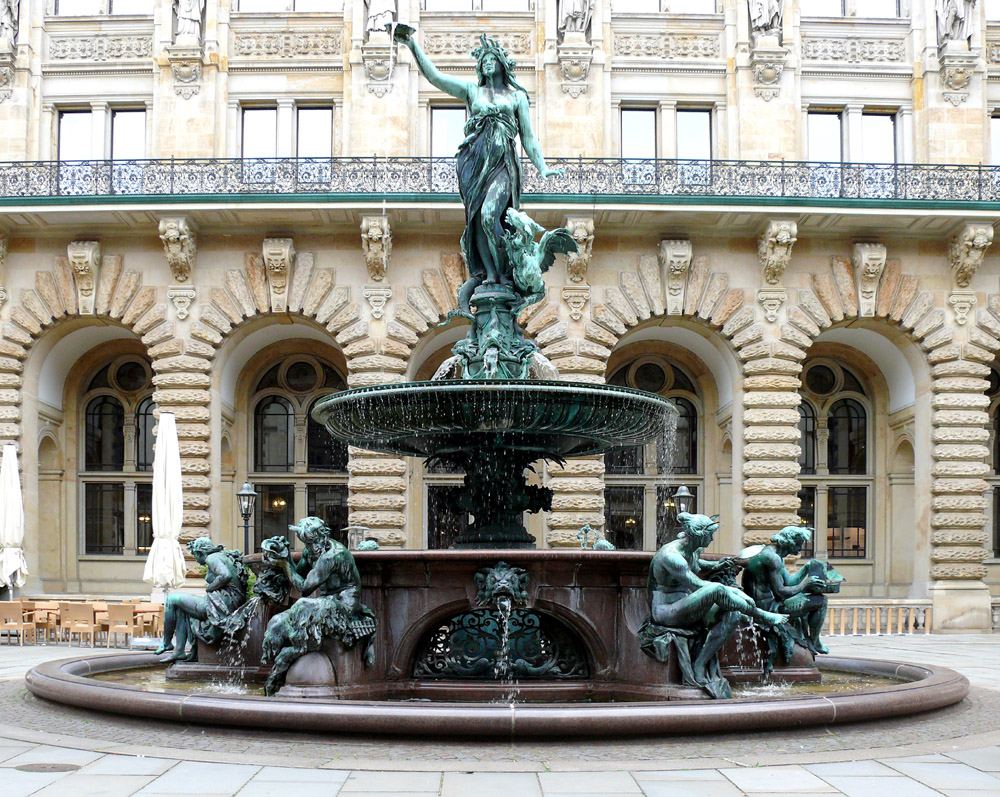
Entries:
{"x":959,"y":357}
{"x":772,"y":353}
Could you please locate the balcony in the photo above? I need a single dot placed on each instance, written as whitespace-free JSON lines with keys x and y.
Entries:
{"x":585,"y":181}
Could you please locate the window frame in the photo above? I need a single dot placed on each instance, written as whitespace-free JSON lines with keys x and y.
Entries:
{"x":650,"y":479}
{"x":129,"y":477}
{"x":298,"y":479}
{"x":822,"y":479}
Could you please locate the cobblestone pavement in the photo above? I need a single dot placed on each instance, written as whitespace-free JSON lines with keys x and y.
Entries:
{"x":955,"y":751}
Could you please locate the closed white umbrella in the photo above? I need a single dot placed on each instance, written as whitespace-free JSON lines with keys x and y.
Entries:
{"x":13,"y":568}
{"x":165,"y":564}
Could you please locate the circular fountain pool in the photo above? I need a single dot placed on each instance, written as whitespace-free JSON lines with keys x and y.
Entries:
{"x":865,"y":690}
{"x":595,"y":679}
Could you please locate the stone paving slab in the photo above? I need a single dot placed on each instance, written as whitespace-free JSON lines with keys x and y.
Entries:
{"x":955,"y":751}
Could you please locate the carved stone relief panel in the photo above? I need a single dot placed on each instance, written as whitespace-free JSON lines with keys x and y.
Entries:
{"x":675,"y":258}
{"x":279,"y":256}
{"x":376,"y":243}
{"x":869,"y":263}
{"x":577,"y":263}
{"x":85,"y":260}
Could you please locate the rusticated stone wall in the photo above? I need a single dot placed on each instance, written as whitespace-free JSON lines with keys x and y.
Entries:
{"x":119,"y":297}
{"x":958,"y":364}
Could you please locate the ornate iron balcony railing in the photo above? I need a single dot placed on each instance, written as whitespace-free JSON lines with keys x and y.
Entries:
{"x":600,"y":178}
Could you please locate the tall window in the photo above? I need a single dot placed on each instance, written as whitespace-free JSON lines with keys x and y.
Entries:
{"x":825,"y":133}
{"x":878,"y":138}
{"x":447,"y":130}
{"x":639,"y":510}
{"x":75,"y":135}
{"x":296,"y":474}
{"x":116,"y":477}
{"x":638,"y":133}
{"x":823,"y":8}
{"x":128,"y":135}
{"x":314,"y":134}
{"x":78,"y":8}
{"x":835,"y":463}
{"x":694,"y":134}
{"x":260,"y":133}
{"x":995,"y":137}
{"x":878,"y":9}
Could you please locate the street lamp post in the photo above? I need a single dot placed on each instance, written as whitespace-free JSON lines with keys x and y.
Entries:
{"x":247,"y":498}
{"x":683,"y":498}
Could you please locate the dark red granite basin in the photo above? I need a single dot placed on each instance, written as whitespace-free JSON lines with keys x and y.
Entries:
{"x":927,"y":688}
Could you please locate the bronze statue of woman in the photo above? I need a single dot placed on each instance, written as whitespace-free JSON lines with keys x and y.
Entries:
{"x":489,"y":170}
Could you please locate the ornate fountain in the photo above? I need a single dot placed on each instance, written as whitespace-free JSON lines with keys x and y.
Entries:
{"x":472,"y":641}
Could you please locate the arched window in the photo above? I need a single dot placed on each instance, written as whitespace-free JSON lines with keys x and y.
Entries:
{"x":274,"y":434}
{"x":116,"y":479}
{"x":682,"y":457}
{"x":807,"y":437}
{"x":847,"y":447}
{"x":639,"y":509}
{"x":833,"y":403}
{"x":144,"y":422}
{"x":323,"y":454}
{"x":287,"y":466}
{"x":104,"y":441}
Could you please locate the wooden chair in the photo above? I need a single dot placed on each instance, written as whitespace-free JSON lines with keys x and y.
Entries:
{"x":101,"y":615}
{"x":121,"y":620}
{"x":12,"y":619}
{"x":64,"y":621}
{"x":47,"y":619}
{"x":82,"y":621}
{"x":149,"y":617}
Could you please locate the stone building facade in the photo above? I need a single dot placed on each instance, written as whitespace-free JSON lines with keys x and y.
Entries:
{"x":829,"y":331}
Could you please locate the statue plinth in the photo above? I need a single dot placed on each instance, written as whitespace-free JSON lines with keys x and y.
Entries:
{"x":495,"y":347}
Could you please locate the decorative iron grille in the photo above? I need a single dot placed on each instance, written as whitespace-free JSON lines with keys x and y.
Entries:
{"x":610,"y":177}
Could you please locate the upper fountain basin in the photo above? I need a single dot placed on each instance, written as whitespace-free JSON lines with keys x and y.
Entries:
{"x":554,"y":418}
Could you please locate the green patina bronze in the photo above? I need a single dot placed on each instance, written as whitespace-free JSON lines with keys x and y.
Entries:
{"x":505,"y":262}
{"x":329,"y":608}
{"x":801,"y":596}
{"x":500,"y":639}
{"x":693,"y":611}
{"x":190,"y":618}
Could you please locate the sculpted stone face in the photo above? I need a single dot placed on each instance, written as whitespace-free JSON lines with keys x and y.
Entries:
{"x":489,"y":65}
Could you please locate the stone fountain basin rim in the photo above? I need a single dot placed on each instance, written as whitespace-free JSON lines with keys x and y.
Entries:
{"x":573,"y":438}
{"x":65,"y":681}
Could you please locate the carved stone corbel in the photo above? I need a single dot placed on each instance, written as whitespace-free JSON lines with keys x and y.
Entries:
{"x":185,"y":64}
{"x":378,"y":57}
{"x":377,"y":296}
{"x":775,"y":249}
{"x":869,"y":263}
{"x":967,"y":251}
{"x":675,"y":257}
{"x":279,"y":257}
{"x":957,"y":69}
{"x":181,"y":298}
{"x":767,"y":63}
{"x":577,"y":263}
{"x":575,"y":55}
{"x":576,"y":299}
{"x":376,"y":243}
{"x":6,"y":75}
{"x":179,"y":245}
{"x":85,"y":260}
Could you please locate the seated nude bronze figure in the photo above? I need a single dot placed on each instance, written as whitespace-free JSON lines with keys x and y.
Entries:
{"x":692,"y":613}
{"x":800,"y":595}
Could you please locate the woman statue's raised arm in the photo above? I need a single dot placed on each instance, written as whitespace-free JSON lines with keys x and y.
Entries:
{"x":459,"y":89}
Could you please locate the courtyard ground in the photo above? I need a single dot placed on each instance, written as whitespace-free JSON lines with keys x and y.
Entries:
{"x":47,"y":749}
